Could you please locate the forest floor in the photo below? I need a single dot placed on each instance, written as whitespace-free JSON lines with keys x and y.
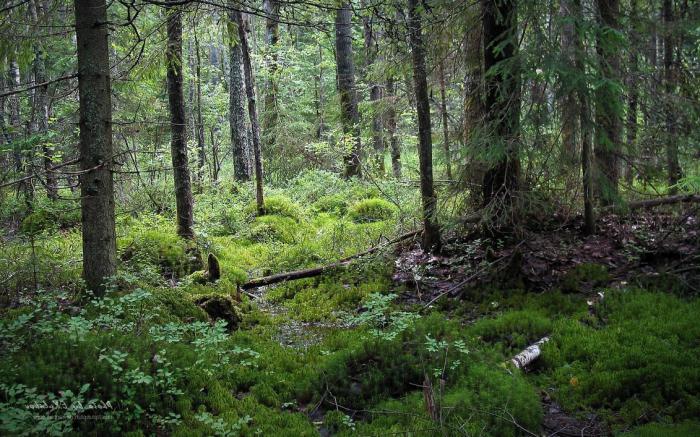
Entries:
{"x":399,"y":342}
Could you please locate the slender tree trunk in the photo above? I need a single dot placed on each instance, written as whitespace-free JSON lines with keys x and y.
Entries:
{"x":41,"y":102}
{"x":236,"y":106}
{"x":608,"y":112}
{"x":673,"y":166}
{"x":375,"y":92}
{"x":569,"y":106}
{"x":16,"y":122}
{"x":346,"y":88}
{"x":633,"y":98}
{"x":272,"y":9}
{"x":252,"y":113}
{"x":445,"y":126}
{"x":96,"y":154}
{"x":201,"y":150}
{"x":502,"y":101}
{"x":431,"y":230}
{"x":319,"y":95}
{"x":391,"y":126}
{"x":178,"y":142}
{"x":586,"y":122}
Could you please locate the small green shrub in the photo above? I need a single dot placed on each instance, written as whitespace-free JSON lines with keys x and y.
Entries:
{"x":279,"y":206}
{"x":271,"y":228}
{"x":372,"y":210}
{"x":335,"y":204}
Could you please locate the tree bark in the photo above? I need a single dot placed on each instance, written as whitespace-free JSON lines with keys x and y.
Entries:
{"x":633,"y":97}
{"x":391,"y":126}
{"x":431,"y":230}
{"x":445,"y":126}
{"x":272,"y":9}
{"x":608,"y":113}
{"x":41,"y":102}
{"x":96,"y":154}
{"x":375,"y":92}
{"x":502,"y":101}
{"x":569,"y":106}
{"x":346,"y":88}
{"x":252,"y":113}
{"x":202,"y":154}
{"x":673,"y":166}
{"x":586,"y":123}
{"x":236,"y":105}
{"x":178,"y":141}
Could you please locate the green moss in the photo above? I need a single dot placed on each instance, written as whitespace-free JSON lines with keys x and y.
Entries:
{"x":586,"y":273}
{"x":279,"y":206}
{"x":371,"y":210}
{"x":273,"y":228}
{"x":683,"y":429}
{"x":334,"y":203}
{"x":637,"y":364}
{"x":514,"y":329}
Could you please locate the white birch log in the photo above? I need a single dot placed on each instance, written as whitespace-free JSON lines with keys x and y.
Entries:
{"x":530,"y":354}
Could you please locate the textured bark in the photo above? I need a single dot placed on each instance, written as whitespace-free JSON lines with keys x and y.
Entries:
{"x":252,"y":113}
{"x":445,"y":126}
{"x":567,"y":101}
{"x":178,"y":135}
{"x":672,"y":164}
{"x":199,"y":128}
{"x":318,"y":100}
{"x":346,"y":88}
{"x":41,"y":101}
{"x":501,"y":101}
{"x":608,"y":118}
{"x":236,"y":106}
{"x":431,"y":230}
{"x":633,"y":97}
{"x":391,"y":127}
{"x":96,"y":154}
{"x":272,"y":9}
{"x":375,"y":92}
{"x":586,"y":124}
{"x":15,"y":120}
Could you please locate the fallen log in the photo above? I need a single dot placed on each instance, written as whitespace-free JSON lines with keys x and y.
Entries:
{"x":317,"y":271}
{"x":668,"y":200}
{"x":530,"y":354}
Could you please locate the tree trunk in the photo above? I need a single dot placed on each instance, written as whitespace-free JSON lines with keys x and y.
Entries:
{"x":633,"y":99}
{"x":96,"y":154}
{"x":346,"y":88}
{"x":202,"y":155}
{"x":501,"y":102}
{"x":272,"y":9}
{"x":178,"y":141}
{"x":319,"y":95}
{"x":608,"y":115}
{"x":445,"y":127}
{"x":569,"y":106}
{"x":673,"y":166}
{"x":252,"y":113}
{"x":16,"y":124}
{"x":375,"y":92}
{"x":585,"y":122}
{"x":236,"y":105}
{"x":431,"y":230}
{"x":41,"y":102}
{"x":391,"y":126}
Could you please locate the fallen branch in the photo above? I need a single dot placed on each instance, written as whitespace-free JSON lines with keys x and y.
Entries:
{"x":669,"y":200}
{"x":317,"y":271}
{"x":530,"y":354}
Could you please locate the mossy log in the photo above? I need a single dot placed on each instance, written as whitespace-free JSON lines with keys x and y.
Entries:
{"x":317,"y":271}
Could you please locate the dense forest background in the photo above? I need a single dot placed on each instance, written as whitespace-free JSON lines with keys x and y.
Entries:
{"x":293,"y":217}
